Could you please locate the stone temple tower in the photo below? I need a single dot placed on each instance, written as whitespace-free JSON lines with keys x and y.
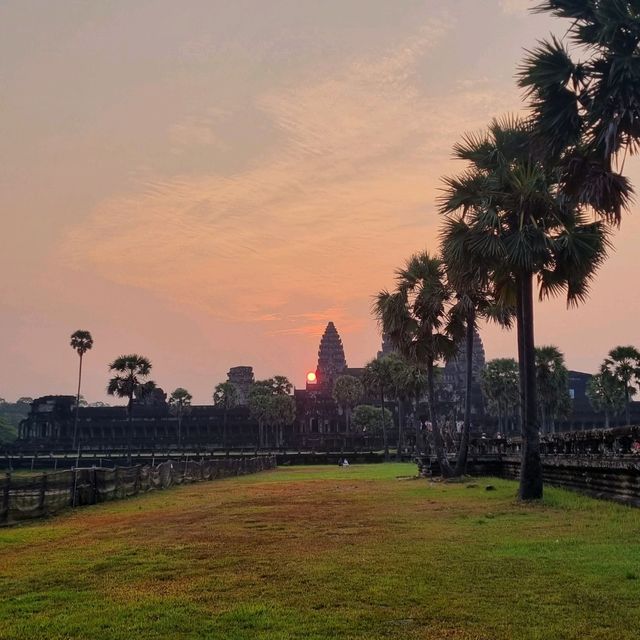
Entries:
{"x":331,"y":360}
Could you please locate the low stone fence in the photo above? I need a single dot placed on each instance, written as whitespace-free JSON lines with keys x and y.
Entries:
{"x":615,"y":479}
{"x":25,"y":497}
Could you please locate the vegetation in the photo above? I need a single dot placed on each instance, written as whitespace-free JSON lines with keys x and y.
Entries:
{"x":500,"y":385}
{"x":347,"y":392}
{"x":377,"y":379}
{"x":81,"y":342}
{"x":325,"y":553}
{"x":606,"y":394}
{"x":272,"y":407}
{"x":552,"y":383}
{"x":414,"y":317}
{"x":623,"y":365}
{"x":179,"y":404}
{"x":8,"y":432}
{"x":131,"y":373}
{"x":370,"y":419}
{"x":225,"y":395}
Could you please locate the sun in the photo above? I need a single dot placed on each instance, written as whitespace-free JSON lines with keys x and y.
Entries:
{"x":311,"y":377}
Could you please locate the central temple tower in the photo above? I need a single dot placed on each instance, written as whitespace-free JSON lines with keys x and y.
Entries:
{"x":331,"y":360}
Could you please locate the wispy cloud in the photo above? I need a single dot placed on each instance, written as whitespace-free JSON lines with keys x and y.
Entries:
{"x":345,"y":193}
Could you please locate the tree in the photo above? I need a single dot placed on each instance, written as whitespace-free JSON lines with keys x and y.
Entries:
{"x":131,"y":372}
{"x":347,"y":392}
{"x":552,"y":382}
{"x":623,"y":364}
{"x":414,"y":316}
{"x":606,"y":394}
{"x":513,"y":215}
{"x":24,"y":401}
{"x":179,"y":404}
{"x":587,"y":112}
{"x":377,"y":381}
{"x":8,"y":432}
{"x":225,"y":396}
{"x":281,"y":412}
{"x":81,"y":342}
{"x":403,"y":381}
{"x":369,"y":419}
{"x":271,"y":406}
{"x":500,"y":384}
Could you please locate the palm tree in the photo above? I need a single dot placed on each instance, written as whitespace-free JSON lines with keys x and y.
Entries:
{"x":131,"y":372}
{"x":179,"y":403}
{"x":475,"y":298}
{"x":377,"y":381}
{"x":587,"y":112}
{"x":510,"y":212}
{"x":403,"y":385}
{"x":623,"y":363}
{"x":82,"y":342}
{"x":225,"y":395}
{"x":552,"y":382}
{"x":500,"y":384}
{"x":259,"y":397}
{"x":347,"y":392}
{"x":281,"y":412}
{"x":414,"y":318}
{"x":606,"y":394}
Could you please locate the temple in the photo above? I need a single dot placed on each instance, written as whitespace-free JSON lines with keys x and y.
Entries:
{"x":319,"y":424}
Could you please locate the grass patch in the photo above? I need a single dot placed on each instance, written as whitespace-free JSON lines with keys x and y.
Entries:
{"x":323,"y":552}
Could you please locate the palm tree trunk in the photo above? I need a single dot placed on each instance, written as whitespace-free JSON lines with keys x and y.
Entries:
{"x":400,"y":429}
{"x":626,"y":404}
{"x":531,"y":465}
{"x":606,"y":419}
{"x":461,"y":465}
{"x":130,"y":429}
{"x":75,"y":419}
{"x":445,"y":468}
{"x":384,"y":427}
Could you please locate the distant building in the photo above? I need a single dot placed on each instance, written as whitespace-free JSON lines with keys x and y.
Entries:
{"x":242,"y":378}
{"x":331,"y":359}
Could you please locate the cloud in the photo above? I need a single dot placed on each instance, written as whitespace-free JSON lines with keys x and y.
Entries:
{"x":516,"y":7}
{"x":320,"y":220}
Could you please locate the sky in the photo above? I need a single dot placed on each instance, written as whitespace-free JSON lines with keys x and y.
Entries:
{"x":208,"y":183}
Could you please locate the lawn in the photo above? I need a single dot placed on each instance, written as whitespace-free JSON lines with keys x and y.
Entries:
{"x":320,"y":552}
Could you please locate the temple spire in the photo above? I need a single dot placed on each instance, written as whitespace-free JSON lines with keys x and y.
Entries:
{"x":331,"y":360}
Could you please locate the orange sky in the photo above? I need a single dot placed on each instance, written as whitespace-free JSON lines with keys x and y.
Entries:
{"x":208,"y":183}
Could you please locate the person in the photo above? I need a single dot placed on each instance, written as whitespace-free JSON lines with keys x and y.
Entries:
{"x":345,"y":463}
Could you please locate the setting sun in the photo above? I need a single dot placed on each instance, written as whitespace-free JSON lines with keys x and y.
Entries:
{"x":311,"y":377}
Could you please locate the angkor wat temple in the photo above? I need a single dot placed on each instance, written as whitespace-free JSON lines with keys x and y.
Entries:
{"x":319,"y":425}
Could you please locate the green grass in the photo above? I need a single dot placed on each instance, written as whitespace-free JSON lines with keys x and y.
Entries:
{"x":321,"y":552}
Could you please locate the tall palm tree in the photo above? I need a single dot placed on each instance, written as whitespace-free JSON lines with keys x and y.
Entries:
{"x":511,"y":214}
{"x":225,"y":395}
{"x":82,"y":342}
{"x":606,"y":394}
{"x":131,"y":372}
{"x":586,"y":112}
{"x":475,"y":298}
{"x":623,"y":363}
{"x":347,"y":392}
{"x":552,"y":381}
{"x":179,"y":403}
{"x":500,"y":385}
{"x":281,"y":412}
{"x":377,"y":380}
{"x":414,"y":317}
{"x":403,"y":384}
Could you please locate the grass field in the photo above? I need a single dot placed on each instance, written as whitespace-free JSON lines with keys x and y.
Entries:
{"x":320,"y":552}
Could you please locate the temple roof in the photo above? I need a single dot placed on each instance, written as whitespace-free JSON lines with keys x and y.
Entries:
{"x":331,"y":359}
